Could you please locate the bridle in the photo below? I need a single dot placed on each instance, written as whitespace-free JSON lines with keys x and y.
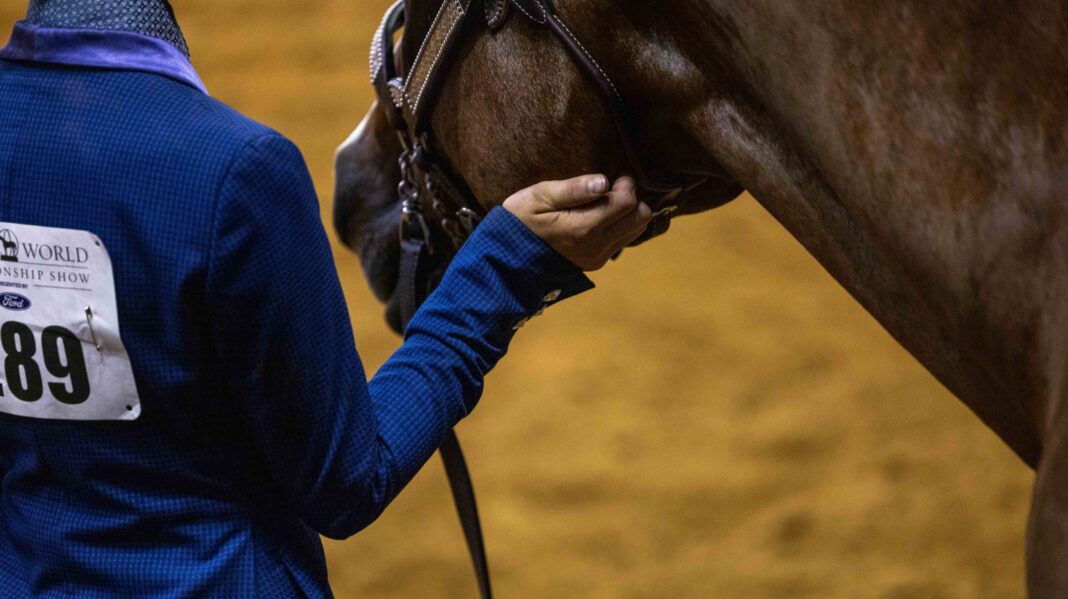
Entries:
{"x":432,"y":192}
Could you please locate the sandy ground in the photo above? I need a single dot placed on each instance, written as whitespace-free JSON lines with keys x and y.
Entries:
{"x":718,"y":419}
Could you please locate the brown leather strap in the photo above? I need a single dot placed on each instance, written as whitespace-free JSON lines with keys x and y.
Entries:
{"x":408,"y":104}
{"x":463,"y":495}
{"x":534,"y":10}
{"x":416,"y":280}
{"x":383,"y":66}
{"x":496,"y":13}
{"x":432,"y":57}
{"x":543,"y":12}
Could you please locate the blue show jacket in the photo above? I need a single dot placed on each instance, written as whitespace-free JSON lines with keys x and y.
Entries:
{"x":258,"y":429}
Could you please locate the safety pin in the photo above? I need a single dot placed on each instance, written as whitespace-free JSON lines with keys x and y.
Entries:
{"x":89,"y":319}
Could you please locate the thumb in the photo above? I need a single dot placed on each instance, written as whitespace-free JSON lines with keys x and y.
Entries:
{"x":571,"y":193}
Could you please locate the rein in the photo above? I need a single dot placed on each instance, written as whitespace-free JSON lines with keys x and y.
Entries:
{"x":433,"y":193}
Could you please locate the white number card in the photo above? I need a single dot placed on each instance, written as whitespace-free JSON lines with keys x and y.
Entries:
{"x":61,"y":356}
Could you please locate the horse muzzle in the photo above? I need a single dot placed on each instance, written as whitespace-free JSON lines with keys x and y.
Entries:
{"x":367,"y":206}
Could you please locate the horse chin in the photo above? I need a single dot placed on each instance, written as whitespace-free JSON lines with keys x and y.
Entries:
{"x":711,"y":194}
{"x":366,"y":205}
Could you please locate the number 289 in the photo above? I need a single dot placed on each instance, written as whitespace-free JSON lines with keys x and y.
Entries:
{"x":22,"y":373}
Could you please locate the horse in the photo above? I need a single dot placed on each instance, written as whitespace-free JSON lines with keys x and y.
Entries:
{"x":919,"y":151}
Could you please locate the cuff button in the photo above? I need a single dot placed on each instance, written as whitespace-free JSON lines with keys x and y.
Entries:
{"x":552,"y":296}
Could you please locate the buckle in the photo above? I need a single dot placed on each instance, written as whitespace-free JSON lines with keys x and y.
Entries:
{"x":468,"y":218}
{"x":413,"y":226}
{"x":666,"y":211}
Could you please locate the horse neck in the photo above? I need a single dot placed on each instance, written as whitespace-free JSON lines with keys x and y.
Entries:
{"x":915,"y":151}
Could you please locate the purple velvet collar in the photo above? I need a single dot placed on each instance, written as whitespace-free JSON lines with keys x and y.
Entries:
{"x":102,"y":49}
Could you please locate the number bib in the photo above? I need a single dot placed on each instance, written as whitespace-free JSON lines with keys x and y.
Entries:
{"x":62,"y":356}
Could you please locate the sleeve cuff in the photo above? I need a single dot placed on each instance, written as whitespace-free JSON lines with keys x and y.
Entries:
{"x":536,"y":274}
{"x":502,"y":277}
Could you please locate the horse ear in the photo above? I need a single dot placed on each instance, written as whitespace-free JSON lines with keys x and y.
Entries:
{"x":537,"y":10}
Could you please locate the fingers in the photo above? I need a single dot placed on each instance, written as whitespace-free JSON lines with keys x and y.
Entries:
{"x":622,"y":201}
{"x":624,"y":185}
{"x":581,"y":218}
{"x":571,"y":193}
{"x":631,"y":225}
{"x":617,"y":204}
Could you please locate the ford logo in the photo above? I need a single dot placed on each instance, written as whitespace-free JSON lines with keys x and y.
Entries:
{"x":14,"y":301}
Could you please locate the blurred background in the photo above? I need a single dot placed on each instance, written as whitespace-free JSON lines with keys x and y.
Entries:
{"x":718,"y":419}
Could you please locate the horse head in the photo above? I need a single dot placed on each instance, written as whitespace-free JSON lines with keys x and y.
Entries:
{"x":514,"y":109}
{"x":915,"y":149}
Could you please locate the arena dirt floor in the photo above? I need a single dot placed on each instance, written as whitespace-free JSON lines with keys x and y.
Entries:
{"x":718,"y":419}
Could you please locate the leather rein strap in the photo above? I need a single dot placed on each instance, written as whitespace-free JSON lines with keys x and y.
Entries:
{"x":419,"y":243}
{"x":432,"y":192}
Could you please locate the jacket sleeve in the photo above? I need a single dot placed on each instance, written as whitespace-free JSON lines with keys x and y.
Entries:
{"x":339,"y":448}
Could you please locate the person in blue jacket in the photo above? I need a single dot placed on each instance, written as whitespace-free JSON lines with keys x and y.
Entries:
{"x":256,"y":429}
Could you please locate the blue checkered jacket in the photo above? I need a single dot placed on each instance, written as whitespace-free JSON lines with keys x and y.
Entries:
{"x":258,"y":429}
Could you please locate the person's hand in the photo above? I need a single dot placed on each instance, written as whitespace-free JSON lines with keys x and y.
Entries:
{"x":581,"y":218}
